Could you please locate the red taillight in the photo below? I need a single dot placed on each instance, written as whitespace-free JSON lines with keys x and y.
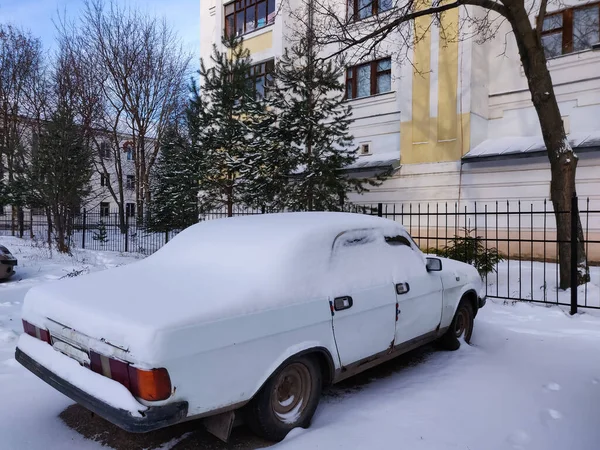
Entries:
{"x":151,"y":385}
{"x":38,"y":333}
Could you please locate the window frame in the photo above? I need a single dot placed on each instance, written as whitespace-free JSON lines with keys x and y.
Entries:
{"x":269,"y":65}
{"x":104,"y":209}
{"x":129,"y":181}
{"x":105,"y":150}
{"x":352,"y":10}
{"x":130,"y":209}
{"x":352,"y":77}
{"x":567,"y":27}
{"x":104,"y":179}
{"x":242,"y":6}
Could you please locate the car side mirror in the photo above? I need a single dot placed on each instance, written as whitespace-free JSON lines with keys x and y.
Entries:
{"x":434,"y":264}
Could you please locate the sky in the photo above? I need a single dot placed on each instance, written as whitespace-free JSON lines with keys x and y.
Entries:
{"x":37,"y":17}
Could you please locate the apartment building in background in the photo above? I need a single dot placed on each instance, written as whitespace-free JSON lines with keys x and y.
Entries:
{"x":105,"y":174}
{"x":455,"y":121}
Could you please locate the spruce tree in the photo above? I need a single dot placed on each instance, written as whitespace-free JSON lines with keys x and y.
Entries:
{"x":60,"y":171}
{"x":314,"y":125}
{"x":175,"y":187}
{"x":236,"y":134}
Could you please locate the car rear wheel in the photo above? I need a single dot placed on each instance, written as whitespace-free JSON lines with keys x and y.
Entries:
{"x":287,"y":400}
{"x":460,"y":328}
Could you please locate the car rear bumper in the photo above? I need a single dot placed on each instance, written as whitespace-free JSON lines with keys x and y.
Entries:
{"x":153,"y":418}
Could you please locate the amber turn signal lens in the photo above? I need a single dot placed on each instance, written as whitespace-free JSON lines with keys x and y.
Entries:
{"x":151,"y":385}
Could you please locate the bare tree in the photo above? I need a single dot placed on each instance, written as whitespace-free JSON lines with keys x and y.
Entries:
{"x":138,"y":70}
{"x":339,"y":29}
{"x":21,"y":76}
{"x":59,"y":172}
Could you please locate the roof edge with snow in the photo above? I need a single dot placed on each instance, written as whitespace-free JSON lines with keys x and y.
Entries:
{"x":517,"y":147}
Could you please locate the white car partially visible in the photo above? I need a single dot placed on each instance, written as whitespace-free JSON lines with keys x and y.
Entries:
{"x":250,"y":315}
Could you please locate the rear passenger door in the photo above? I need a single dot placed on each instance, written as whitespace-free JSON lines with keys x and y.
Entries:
{"x":363,"y":299}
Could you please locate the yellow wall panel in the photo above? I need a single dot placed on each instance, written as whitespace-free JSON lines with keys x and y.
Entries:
{"x":448,"y":76}
{"x":435,"y":150}
{"x":259,"y":43}
{"x":421,"y":77}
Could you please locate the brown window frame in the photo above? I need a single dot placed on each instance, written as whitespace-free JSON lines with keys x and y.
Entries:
{"x":352,"y":78}
{"x":567,"y":26}
{"x":265,"y":68}
{"x":243,"y":6}
{"x":352,"y":10}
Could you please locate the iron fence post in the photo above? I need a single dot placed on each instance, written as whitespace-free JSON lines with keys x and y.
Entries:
{"x":126,"y":232}
{"x":83,"y":226}
{"x":380,"y":209}
{"x":574,"y":277}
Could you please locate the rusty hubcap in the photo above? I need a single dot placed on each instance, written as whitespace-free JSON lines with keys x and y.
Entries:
{"x":291,"y":392}
{"x":462,"y":326}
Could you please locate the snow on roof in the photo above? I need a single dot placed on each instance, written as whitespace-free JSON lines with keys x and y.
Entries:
{"x":520,"y":145}
{"x":376,"y":160}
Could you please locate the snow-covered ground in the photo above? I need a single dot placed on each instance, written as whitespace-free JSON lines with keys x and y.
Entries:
{"x":531,"y":380}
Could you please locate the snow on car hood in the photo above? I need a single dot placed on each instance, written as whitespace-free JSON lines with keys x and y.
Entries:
{"x":209,"y":272}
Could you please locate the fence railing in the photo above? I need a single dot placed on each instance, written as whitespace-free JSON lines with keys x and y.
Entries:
{"x":94,"y":230}
{"x":523,"y":233}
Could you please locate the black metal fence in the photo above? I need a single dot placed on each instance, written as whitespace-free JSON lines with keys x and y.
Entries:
{"x":94,"y":230}
{"x":523,"y":233}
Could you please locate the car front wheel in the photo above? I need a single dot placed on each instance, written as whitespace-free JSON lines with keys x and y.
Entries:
{"x":460,"y":328}
{"x":287,"y":400}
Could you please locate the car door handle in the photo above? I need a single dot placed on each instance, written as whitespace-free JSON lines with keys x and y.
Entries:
{"x":341,"y":303}
{"x":402,"y":288}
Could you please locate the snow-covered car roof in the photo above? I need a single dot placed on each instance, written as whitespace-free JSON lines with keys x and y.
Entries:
{"x":218,"y":269}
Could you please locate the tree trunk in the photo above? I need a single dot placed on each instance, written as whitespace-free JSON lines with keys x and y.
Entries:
{"x":229,"y":195}
{"x":563,"y":161}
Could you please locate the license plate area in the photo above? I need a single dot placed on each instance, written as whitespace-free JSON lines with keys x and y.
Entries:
{"x":78,"y":354}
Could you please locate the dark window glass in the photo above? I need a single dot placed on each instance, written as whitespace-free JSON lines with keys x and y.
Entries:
{"x":246,"y":16}
{"x":586,"y":31}
{"x":271,"y":11}
{"x":571,"y":30}
{"x":362,"y":9}
{"x":261,"y":14}
{"x":260,"y":78}
{"x":250,"y":18}
{"x":369,"y":79}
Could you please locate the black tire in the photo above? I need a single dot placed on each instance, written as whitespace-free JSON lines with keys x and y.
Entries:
{"x":287,"y":400}
{"x":461,"y":326}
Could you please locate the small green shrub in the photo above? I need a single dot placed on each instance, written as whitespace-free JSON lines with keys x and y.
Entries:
{"x":471,"y":249}
{"x":101,"y":235}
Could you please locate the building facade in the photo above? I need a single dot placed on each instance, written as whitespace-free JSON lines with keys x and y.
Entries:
{"x":454,"y":117}
{"x":456,"y":114}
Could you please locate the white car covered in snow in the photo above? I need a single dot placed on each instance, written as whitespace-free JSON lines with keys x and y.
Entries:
{"x":251,"y":315}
